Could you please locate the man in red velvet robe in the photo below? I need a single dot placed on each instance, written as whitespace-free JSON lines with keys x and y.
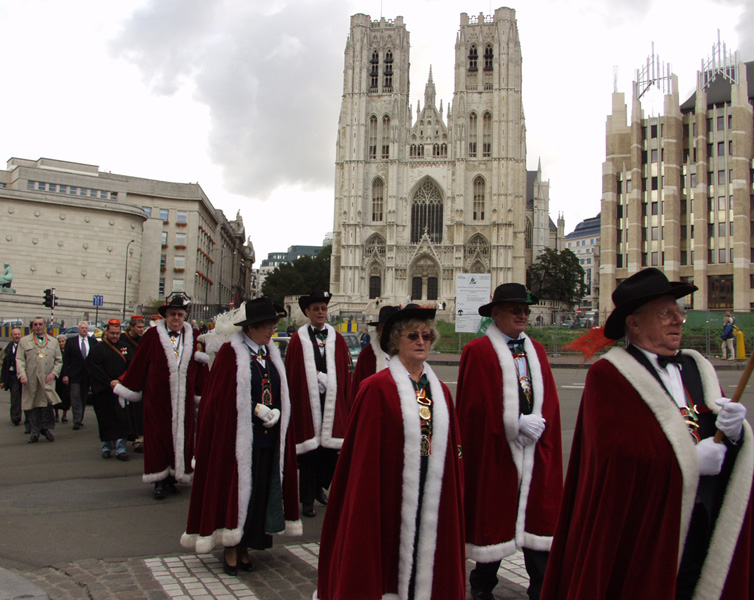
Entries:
{"x":653,"y":507}
{"x":372,"y":358}
{"x":509,"y":417}
{"x":164,"y":373}
{"x":318,"y":365}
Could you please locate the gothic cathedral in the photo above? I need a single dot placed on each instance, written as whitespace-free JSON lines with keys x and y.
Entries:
{"x":418,"y":201}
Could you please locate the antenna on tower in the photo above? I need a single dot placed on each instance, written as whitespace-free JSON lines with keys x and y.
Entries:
{"x":615,"y":78}
{"x":380,"y":9}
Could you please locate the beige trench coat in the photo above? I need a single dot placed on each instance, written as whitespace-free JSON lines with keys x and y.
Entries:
{"x":36,"y":393}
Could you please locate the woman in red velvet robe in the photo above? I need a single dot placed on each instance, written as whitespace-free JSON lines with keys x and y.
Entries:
{"x":394,"y":521}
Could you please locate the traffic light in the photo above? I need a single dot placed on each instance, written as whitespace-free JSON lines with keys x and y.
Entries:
{"x":51,"y":300}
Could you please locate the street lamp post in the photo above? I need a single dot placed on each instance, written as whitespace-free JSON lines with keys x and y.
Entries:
{"x":125,"y":280}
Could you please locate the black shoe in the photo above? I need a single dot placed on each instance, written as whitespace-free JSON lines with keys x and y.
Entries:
{"x":76,"y":426}
{"x":321,"y":497}
{"x":308,"y":510}
{"x":16,"y":423}
{"x":245,"y":566}
{"x":48,"y":434}
{"x":33,"y":439}
{"x":159,"y":490}
{"x":27,"y":431}
{"x":106,"y":454}
{"x":64,"y":419}
{"x":57,"y":418}
{"x":122,"y":456}
{"x":231,"y":570}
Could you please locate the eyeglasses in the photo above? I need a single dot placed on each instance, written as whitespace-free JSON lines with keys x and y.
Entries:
{"x":668,"y":316}
{"x":519,"y":311}
{"x":415,"y":335}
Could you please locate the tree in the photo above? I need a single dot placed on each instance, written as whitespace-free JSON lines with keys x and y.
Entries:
{"x":558,"y":276}
{"x":299,"y":277}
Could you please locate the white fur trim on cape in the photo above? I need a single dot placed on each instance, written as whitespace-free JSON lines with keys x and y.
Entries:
{"x":322,"y":422}
{"x":737,"y":495}
{"x":123,"y":392}
{"x":293,"y":528}
{"x":201,"y":357}
{"x":523,"y":458}
{"x":379,"y":354}
{"x":178,"y":374}
{"x":433,"y":484}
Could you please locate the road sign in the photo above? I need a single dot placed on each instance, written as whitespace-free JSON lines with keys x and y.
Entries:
{"x":98,"y":300}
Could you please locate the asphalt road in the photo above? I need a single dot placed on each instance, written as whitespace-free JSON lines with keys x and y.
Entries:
{"x":62,"y":502}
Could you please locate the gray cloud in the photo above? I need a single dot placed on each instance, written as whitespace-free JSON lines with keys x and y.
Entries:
{"x":271,"y":77}
{"x":744,"y":28}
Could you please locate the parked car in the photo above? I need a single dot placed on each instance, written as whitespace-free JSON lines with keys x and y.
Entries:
{"x":282,"y":344}
{"x":354,"y":346}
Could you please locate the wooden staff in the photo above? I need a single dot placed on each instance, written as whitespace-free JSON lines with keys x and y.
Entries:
{"x":739,"y":390}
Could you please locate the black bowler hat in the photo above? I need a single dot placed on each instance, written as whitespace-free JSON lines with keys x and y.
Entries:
{"x":261,"y":309}
{"x":385,"y":312}
{"x":411,"y":311}
{"x":314,"y":296}
{"x":175,"y":300}
{"x":508,"y":292}
{"x":638,"y":290}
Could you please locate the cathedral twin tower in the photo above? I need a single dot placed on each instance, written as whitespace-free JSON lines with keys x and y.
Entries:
{"x":419,"y":201}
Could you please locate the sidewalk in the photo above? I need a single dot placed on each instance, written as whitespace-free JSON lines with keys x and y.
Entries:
{"x":282,"y":573}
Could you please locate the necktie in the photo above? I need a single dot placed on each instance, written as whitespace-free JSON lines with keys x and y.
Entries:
{"x":663,"y":361}
{"x":261,"y":354}
{"x":83,"y":347}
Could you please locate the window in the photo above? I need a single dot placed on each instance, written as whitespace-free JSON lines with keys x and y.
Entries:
{"x":388,"y":72}
{"x":730,"y":175}
{"x":654,"y":155}
{"x":378,"y":199}
{"x":161,"y":288}
{"x":478,"y":198}
{"x":147,"y":210}
{"x":375,"y":286}
{"x":731,"y":229}
{"x":710,"y":257}
{"x":163,"y":261}
{"x":164,"y":214}
{"x":426,"y":213}
{"x":721,"y":178}
{"x":693,"y":180}
{"x":473,"y":57}
{"x":720,"y":123}
{"x":721,"y":229}
{"x":164,"y":238}
{"x":179,"y":285}
{"x":654,"y":233}
{"x":374,"y":74}
{"x":416,"y":288}
{"x":655,"y":183}
{"x":432,"y":288}
{"x":180,"y":240}
{"x":655,"y":207}
{"x":684,"y":257}
{"x":179,"y":262}
{"x":721,"y":148}
{"x":385,"y":137}
{"x":181,"y":216}
{"x":486,"y":135}
{"x":488,"y":56}
{"x":721,"y":255}
{"x":372,"y":137}
{"x":721,"y":203}
{"x":472,"y":135}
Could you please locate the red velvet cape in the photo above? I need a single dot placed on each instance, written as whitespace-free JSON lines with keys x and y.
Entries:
{"x":630,"y":490}
{"x":312,"y":428}
{"x":368,"y":532}
{"x":366,"y":365}
{"x":222,"y":478}
{"x":170,"y":392}
{"x":512,"y":495}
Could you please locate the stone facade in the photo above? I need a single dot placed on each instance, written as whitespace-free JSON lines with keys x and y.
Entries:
{"x":584,"y":242}
{"x":420,"y":199}
{"x":677,"y":188}
{"x":69,"y":226}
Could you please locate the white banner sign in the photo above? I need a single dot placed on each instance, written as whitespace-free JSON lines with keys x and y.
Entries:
{"x":472,"y":291}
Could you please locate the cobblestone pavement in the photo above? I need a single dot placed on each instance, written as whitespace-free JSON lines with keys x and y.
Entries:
{"x":283,"y":573}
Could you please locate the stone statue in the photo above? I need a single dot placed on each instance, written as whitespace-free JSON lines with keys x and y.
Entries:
{"x":7,"y":277}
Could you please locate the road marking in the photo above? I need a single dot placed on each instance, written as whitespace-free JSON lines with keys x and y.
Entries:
{"x":575,"y":386}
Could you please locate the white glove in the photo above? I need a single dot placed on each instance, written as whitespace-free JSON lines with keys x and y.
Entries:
{"x":531,"y":426}
{"x":122,"y":402}
{"x":711,"y":456}
{"x":322,"y":382}
{"x":524,"y":440}
{"x":268,"y":416}
{"x":731,"y":418}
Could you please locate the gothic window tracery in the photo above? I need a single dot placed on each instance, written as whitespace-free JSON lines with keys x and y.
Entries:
{"x":375,"y":247}
{"x":473,"y":58}
{"x":378,"y":199}
{"x":426,"y":213}
{"x":487,"y":134}
{"x":472,"y":134}
{"x":479,"y":190}
{"x":528,"y":233}
{"x":372,"y":137}
{"x":488,"y":56}
{"x":374,"y":74}
{"x":385,"y":137}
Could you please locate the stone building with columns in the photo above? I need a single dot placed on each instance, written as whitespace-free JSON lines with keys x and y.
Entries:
{"x":131,"y":240}
{"x":677,"y":187}
{"x":422,"y":196}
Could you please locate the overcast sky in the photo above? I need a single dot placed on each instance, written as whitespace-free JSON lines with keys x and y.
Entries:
{"x":243,"y":96}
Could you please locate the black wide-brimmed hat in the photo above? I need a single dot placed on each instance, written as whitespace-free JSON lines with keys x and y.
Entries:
{"x":508,"y":292}
{"x":385,"y":312}
{"x":638,"y":290}
{"x":175,"y":300}
{"x":314,"y":296}
{"x":261,"y":309}
{"x":411,"y":311}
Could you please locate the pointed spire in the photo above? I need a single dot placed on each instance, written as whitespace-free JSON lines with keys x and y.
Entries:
{"x":429,"y":91}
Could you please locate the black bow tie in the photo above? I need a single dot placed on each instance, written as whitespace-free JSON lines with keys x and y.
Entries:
{"x":664,"y":360}
{"x":516,"y":346}
{"x":320,"y":334}
{"x":174,"y":334}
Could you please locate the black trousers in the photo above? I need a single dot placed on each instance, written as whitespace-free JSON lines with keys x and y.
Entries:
{"x":483,"y":577}
{"x":41,"y":419}
{"x":315,"y":471}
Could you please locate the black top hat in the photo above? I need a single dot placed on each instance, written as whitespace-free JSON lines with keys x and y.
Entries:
{"x":508,"y":292}
{"x":175,"y":300}
{"x":314,"y":296}
{"x":411,"y":311}
{"x":385,"y":312}
{"x":261,"y":309}
{"x":636,"y":291}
